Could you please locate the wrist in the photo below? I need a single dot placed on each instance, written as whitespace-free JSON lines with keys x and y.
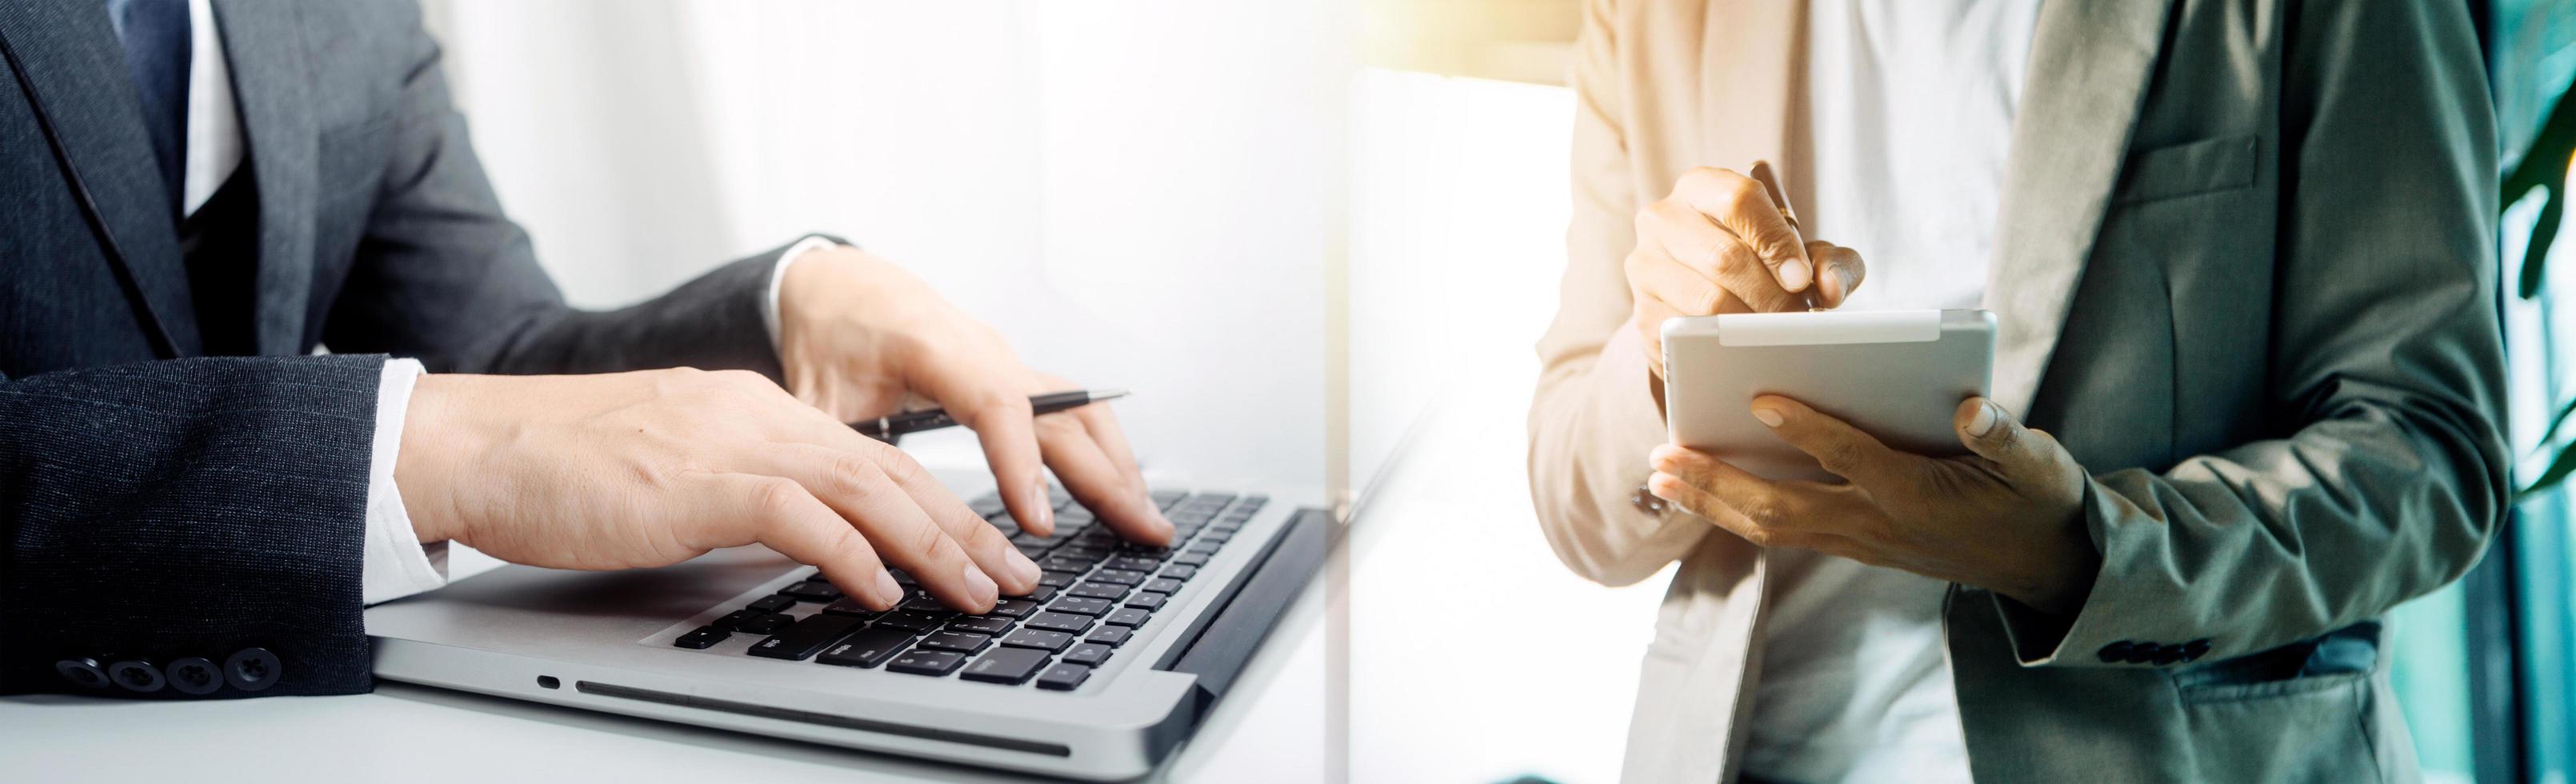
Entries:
{"x":2064,"y":568}
{"x":422,"y":465}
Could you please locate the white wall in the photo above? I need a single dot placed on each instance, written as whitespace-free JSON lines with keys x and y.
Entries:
{"x":1138,"y":194}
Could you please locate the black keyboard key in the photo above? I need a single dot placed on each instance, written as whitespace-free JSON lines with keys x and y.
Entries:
{"x":765,"y":624}
{"x":812,"y":591}
{"x":1013,"y":608}
{"x":1068,"y":623}
{"x":1006,"y":665}
{"x":1111,"y":591}
{"x":1179,"y":572}
{"x":1147,"y":550}
{"x":1218,"y":500}
{"x":981,"y":624}
{"x":1087,"y":654}
{"x":1166,"y":498}
{"x":1058,"y":579}
{"x":1084,"y":551}
{"x":932,"y":606}
{"x":1205,"y":547}
{"x":1217,"y":537}
{"x":912,"y":621}
{"x":771,"y":603}
{"x":735,"y":619}
{"x":1136,"y":563}
{"x":807,"y":637}
{"x":1112,"y":636}
{"x":1063,"y":677}
{"x":1161,"y":585}
{"x":1041,"y":593}
{"x":870,"y":647}
{"x":1147,"y":601}
{"x":1026,"y":537}
{"x":986,"y":506}
{"x":1072,"y":518}
{"x":1033,"y":551}
{"x":847,"y":605}
{"x":1059,"y":563}
{"x":1040,"y":639}
{"x":1082,"y":606}
{"x":961,"y":642}
{"x":1119,"y":576}
{"x":703,"y":637}
{"x":903,"y":578}
{"x":1125,"y":616}
{"x":1190,"y":559}
{"x":921,"y":662}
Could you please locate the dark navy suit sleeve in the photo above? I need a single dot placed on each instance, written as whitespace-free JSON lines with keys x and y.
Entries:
{"x":186,"y":509}
{"x":442,"y":274}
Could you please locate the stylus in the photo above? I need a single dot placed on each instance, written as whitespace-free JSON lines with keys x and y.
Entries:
{"x":885,"y":428}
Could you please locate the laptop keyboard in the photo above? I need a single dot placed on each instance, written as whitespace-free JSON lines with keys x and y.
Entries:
{"x":1095,"y":592}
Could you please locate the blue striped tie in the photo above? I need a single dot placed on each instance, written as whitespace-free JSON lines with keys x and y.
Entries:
{"x":155,"y":34}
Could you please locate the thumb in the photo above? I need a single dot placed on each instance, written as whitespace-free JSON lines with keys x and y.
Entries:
{"x":1986,"y":430}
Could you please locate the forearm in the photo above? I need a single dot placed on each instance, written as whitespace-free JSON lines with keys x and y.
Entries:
{"x":715,"y":322}
{"x":188,"y":508}
{"x":1591,"y":427}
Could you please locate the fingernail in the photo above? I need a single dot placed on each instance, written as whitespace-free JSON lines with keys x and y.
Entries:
{"x":1769,"y":417}
{"x":1026,"y":569}
{"x":888,"y":591}
{"x":1038,"y":500}
{"x":1793,"y":274}
{"x":1984,"y":420}
{"x":1656,"y":484}
{"x":980,"y":587}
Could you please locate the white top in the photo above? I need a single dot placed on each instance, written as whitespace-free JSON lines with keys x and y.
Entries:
{"x":1911,"y":104}
{"x":395,"y":564}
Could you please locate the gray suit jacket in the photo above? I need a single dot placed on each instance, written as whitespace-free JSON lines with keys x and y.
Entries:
{"x":157,"y":505}
{"x":2245,"y":272}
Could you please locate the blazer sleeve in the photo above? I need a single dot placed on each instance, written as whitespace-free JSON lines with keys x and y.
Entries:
{"x":2386,"y":349}
{"x":444,"y":275}
{"x":1594,"y":416}
{"x":192,"y":509}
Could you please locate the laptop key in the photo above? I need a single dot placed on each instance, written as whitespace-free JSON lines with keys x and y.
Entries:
{"x":704,"y":637}
{"x":1190,"y":559}
{"x":1041,"y":593}
{"x":1205,"y":547}
{"x":981,"y":624}
{"x":735,"y":619}
{"x":912,"y":621}
{"x":849,"y":606}
{"x":1058,"y":579}
{"x":1061,"y":563}
{"x":1125,"y":616}
{"x":870,"y":647}
{"x":1098,"y":590}
{"x":771,"y":603}
{"x":961,"y":642}
{"x":921,"y":662}
{"x":1136,"y":563}
{"x":1161,"y":585}
{"x":1087,"y":654}
{"x":1033,"y":551}
{"x":1063,"y":677}
{"x":1013,"y":608}
{"x":1119,"y":576}
{"x":1068,"y":623}
{"x":986,"y":506}
{"x":1166,"y":498}
{"x":1040,"y":639}
{"x":807,"y":637}
{"x":1180,"y":572}
{"x":1082,"y":606}
{"x":1147,"y":601}
{"x":927,"y":605}
{"x":1112,"y":636}
{"x":765,"y":624}
{"x":1006,"y":665}
{"x":812,"y":591}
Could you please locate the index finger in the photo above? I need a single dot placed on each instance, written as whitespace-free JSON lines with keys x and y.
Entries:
{"x":1745,"y":208}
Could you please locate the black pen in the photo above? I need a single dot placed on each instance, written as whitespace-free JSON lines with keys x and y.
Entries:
{"x":887,"y":427}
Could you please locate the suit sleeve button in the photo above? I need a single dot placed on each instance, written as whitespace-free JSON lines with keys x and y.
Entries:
{"x":195,"y":675}
{"x":2192,"y":651}
{"x":2143,"y":652}
{"x":253,"y":669}
{"x":83,"y":672}
{"x":2115,"y":653}
{"x":136,"y":676}
{"x":2168,"y":654}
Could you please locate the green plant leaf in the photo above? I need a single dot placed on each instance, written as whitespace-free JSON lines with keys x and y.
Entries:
{"x":2552,"y":433}
{"x":2559,"y":468}
{"x":2535,"y":253}
{"x":2543,"y":165}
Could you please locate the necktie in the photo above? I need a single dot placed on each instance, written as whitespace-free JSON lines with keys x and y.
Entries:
{"x":155,"y":35}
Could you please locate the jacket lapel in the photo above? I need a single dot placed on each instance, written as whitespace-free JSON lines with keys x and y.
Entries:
{"x":2090,"y":64}
{"x":73,"y":58}
{"x":264,"y":45}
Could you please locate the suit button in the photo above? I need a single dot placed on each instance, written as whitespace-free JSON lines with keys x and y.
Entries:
{"x":253,"y":669}
{"x":2192,"y":651}
{"x":83,"y":672}
{"x":2168,"y":654}
{"x":2115,"y":653}
{"x":136,"y":676}
{"x":195,"y":675}
{"x":2143,"y":653}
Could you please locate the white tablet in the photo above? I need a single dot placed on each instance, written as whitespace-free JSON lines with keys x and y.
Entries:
{"x":1897,"y":374}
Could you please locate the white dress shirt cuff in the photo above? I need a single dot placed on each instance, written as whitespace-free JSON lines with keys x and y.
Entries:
{"x":778,"y":278}
{"x":395,"y":564}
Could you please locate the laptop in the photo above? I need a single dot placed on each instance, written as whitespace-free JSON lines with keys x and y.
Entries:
{"x":1099,"y":674}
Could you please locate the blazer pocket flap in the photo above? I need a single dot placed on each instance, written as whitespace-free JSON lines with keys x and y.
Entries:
{"x":2189,"y":168}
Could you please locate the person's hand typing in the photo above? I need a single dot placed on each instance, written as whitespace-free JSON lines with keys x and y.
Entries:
{"x":655,"y":467}
{"x":859,"y":336}
{"x":2003,"y":518}
{"x":1724,"y":242}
